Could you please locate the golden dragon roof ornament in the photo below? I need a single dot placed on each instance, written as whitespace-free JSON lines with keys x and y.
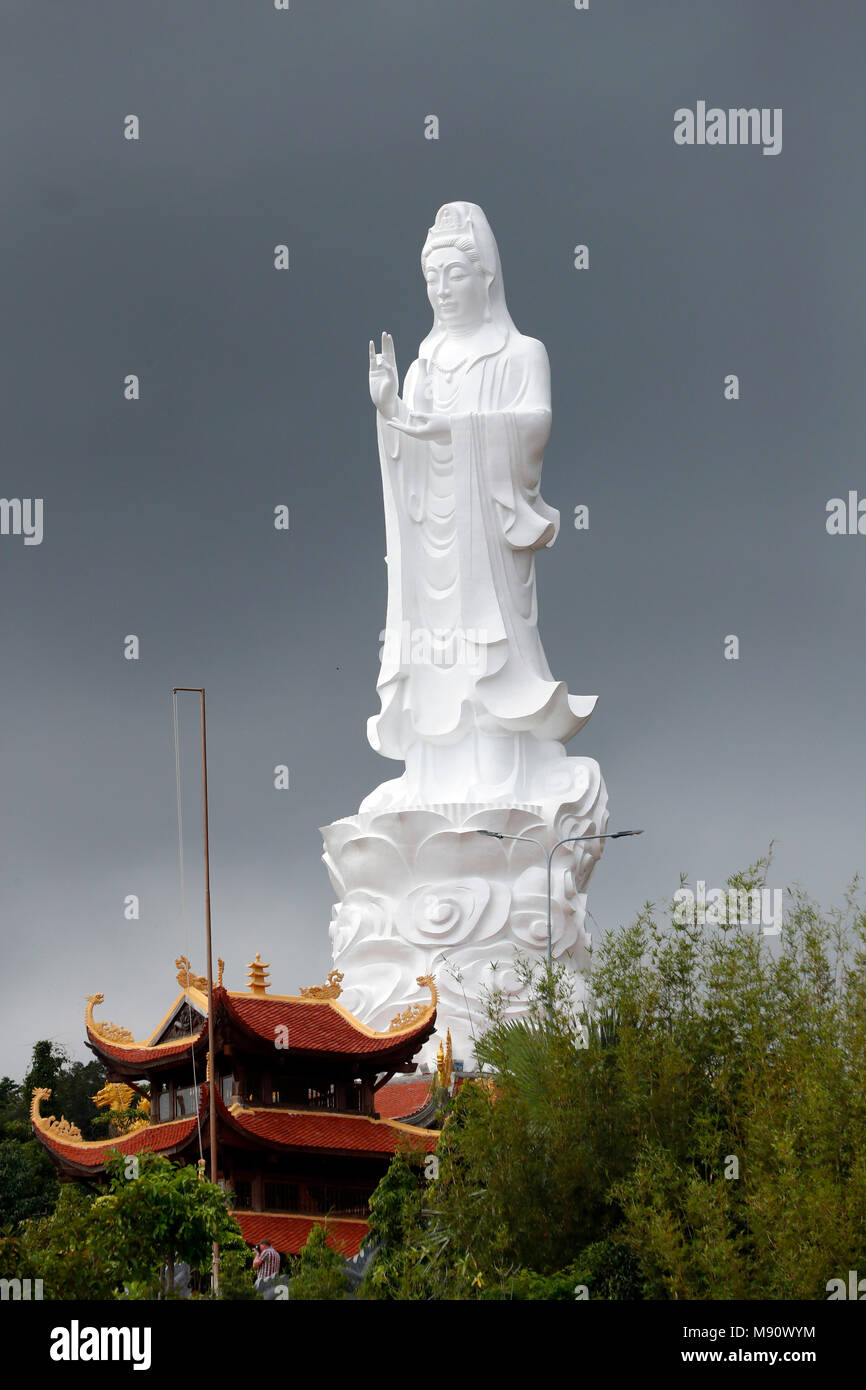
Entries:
{"x":185,"y":977}
{"x":331,"y":989}
{"x":413,"y":1015}
{"x":61,"y":1129}
{"x":111,"y":1032}
{"x":116,"y":1095}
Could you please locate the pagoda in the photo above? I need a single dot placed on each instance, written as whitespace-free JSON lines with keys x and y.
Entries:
{"x":308,"y":1114}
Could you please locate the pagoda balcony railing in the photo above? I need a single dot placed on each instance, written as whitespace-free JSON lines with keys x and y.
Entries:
{"x":181,"y":1102}
{"x":287,"y":1198}
{"x":185,"y":1102}
{"x":351,"y":1106}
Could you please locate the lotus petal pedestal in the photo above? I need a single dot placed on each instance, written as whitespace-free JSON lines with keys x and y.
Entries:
{"x":422,"y":893}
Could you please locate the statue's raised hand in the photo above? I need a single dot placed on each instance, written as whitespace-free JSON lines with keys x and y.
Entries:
{"x":384,"y":382}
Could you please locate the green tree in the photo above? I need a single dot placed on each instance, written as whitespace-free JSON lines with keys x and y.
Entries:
{"x":751,"y":1182}
{"x":526,"y":1156}
{"x":46,"y":1066}
{"x":160,"y":1213}
{"x":403,"y":1261}
{"x":28,"y":1182}
{"x":237,"y":1281}
{"x":321,"y":1269}
{"x":72,"y":1250}
{"x":128,"y":1239}
{"x":697,"y":1130}
{"x":14,"y":1117}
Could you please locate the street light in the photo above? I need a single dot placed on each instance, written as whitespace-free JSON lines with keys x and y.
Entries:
{"x":572,"y":839}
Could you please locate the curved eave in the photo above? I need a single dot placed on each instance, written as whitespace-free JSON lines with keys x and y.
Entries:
{"x":134,"y":1058}
{"x":321,"y":1027}
{"x":131,"y":1057}
{"x":88,"y":1156}
{"x":420,"y":1118}
{"x":410,"y":1101}
{"x":324,"y":1131}
{"x":316,"y":1028}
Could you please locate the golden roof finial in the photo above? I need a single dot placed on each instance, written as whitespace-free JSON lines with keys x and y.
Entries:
{"x":257,"y":971}
{"x":440,"y":1066}
{"x":449,"y":1058}
{"x":221,"y":965}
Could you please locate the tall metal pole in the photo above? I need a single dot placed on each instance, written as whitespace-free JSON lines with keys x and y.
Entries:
{"x":211,"y":1065}
{"x":550,"y":909}
{"x":210,"y":1028}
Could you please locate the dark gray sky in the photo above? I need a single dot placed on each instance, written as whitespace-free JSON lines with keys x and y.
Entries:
{"x":706,"y":517}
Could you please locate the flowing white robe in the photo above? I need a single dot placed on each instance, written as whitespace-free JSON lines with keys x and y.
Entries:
{"x":462,"y":654}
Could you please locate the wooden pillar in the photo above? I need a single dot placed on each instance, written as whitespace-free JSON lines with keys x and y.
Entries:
{"x":258,"y":1191}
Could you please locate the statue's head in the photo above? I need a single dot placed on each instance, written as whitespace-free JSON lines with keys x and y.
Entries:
{"x":456,"y":288}
{"x":460,"y":262}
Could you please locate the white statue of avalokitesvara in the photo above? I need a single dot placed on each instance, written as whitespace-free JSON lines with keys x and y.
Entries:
{"x":468,"y":702}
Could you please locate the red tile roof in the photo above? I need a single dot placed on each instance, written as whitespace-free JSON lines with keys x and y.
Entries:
{"x":289,"y":1233}
{"x":92,"y":1154}
{"x":290,"y":1129}
{"x":147,"y":1055}
{"x":319,"y":1025}
{"x":325,"y":1130}
{"x":314,"y":1025}
{"x":401,"y":1098}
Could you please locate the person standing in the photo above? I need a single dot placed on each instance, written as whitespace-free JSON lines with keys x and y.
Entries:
{"x":267,"y":1267}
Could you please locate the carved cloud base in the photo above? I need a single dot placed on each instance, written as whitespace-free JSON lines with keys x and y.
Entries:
{"x":420,"y":892}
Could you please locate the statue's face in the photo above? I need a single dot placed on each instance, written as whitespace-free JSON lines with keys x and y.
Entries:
{"x":456,"y":288}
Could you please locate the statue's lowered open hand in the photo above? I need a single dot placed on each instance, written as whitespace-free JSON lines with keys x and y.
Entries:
{"x":436,"y":427}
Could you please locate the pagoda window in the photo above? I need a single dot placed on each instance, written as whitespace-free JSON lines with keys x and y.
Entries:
{"x":186,"y":1100}
{"x":353,"y":1202}
{"x":281,"y":1196}
{"x":320,"y":1199}
{"x":243,"y":1198}
{"x":163,"y":1103}
{"x":226,"y":1085}
{"x":322,"y":1098}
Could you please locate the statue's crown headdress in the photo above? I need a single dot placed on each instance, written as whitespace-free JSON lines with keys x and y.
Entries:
{"x":453,"y":227}
{"x":451,"y":221}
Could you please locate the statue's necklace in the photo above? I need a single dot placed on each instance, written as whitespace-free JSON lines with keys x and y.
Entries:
{"x":444,"y":400}
{"x":448,"y":372}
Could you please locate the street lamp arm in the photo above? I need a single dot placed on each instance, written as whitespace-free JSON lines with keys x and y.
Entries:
{"x":612,"y":835}
{"x":500,"y":835}
{"x":548,"y":854}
